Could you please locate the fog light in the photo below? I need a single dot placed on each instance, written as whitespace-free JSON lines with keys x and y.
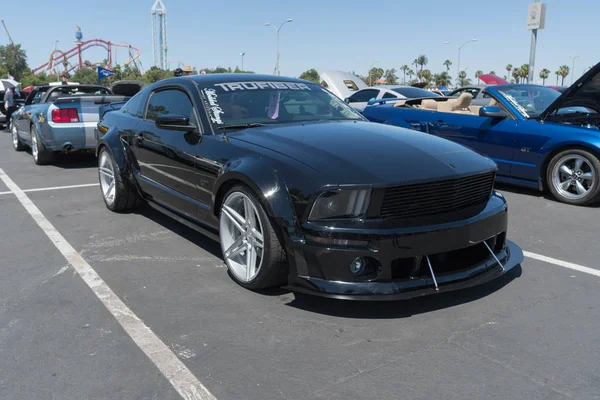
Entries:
{"x":357,"y":266}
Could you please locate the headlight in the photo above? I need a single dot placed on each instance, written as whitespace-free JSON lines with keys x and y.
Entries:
{"x":341,"y":204}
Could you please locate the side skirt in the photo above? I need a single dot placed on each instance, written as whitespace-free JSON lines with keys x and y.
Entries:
{"x":190,"y":224}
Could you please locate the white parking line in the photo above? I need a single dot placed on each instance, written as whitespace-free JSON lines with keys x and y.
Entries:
{"x":561,"y":263}
{"x":182,"y":379}
{"x":55,"y":188}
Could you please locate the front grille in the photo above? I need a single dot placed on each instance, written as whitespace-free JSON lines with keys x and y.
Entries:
{"x":435,"y":198}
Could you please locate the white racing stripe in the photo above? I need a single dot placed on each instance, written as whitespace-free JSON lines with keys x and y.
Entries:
{"x":182,"y":379}
{"x":560,"y":263}
{"x":55,"y":188}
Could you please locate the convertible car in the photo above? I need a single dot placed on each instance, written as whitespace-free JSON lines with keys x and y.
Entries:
{"x":539,"y":137}
{"x":302,"y":191}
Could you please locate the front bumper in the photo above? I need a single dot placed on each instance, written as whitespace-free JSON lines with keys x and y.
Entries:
{"x":458,"y":257}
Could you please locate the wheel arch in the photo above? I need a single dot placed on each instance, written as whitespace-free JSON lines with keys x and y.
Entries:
{"x":560,"y":148}
{"x":113,"y":145}
{"x":264,"y":181}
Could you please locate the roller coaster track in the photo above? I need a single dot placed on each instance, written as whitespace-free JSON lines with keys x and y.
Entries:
{"x":59,"y":57}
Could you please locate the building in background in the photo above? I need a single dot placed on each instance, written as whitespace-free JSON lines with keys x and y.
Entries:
{"x":159,"y":34}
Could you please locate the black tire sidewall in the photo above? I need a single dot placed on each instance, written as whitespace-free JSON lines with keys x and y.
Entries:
{"x":261,"y":280}
{"x":593,"y":196}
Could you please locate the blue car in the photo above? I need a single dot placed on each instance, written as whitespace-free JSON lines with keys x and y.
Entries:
{"x":539,"y":137}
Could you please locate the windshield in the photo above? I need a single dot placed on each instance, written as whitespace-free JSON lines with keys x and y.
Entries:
{"x":240,"y":103}
{"x":532,"y":100}
{"x":414,"y":93}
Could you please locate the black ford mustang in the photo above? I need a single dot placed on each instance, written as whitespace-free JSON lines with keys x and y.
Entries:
{"x":302,"y":191}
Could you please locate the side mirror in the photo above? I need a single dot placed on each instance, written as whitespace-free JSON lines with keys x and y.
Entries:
{"x":175,"y":123}
{"x":347,"y":100}
{"x":492,"y":112}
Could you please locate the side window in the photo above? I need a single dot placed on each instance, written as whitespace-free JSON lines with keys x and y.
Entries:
{"x":135,"y":106}
{"x":485,"y":95}
{"x":473,"y":92}
{"x":363,"y":96}
{"x":171,"y":101}
{"x":351,"y":85}
{"x":389,"y":95}
{"x":456,"y":93}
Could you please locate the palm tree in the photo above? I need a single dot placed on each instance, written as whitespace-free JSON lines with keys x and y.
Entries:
{"x":564,"y":72}
{"x":404,"y":69}
{"x":544,"y":74}
{"x":447,"y":64}
{"x":442,"y":79}
{"x":557,"y":72}
{"x":462,"y":79}
{"x":492,"y":72}
{"x":478,"y":73}
{"x":509,"y":68}
{"x":524,"y":71}
{"x":422,"y":62}
{"x":410,"y":73}
{"x":516,"y":73}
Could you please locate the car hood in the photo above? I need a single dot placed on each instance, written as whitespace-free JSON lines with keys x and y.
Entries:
{"x":365,"y":153}
{"x":584,"y":93}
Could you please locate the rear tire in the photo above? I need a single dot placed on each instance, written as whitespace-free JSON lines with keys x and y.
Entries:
{"x":573,"y":177}
{"x":40,"y":155}
{"x":244,"y":224}
{"x":17,"y":144}
{"x":118,"y":193}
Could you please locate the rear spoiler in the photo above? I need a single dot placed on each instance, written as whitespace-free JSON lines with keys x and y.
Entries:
{"x":94,"y":98}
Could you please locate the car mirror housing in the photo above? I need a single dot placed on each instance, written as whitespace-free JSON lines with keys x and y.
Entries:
{"x":175,"y":122}
{"x":492,"y":112}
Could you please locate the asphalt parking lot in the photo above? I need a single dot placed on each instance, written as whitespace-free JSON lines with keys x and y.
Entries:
{"x":531,"y":335}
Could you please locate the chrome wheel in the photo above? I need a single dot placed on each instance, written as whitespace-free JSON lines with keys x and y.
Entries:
{"x":15,"y":136}
{"x":573,"y":176}
{"x":34,"y":146}
{"x":106,"y":173}
{"x":242,"y":239}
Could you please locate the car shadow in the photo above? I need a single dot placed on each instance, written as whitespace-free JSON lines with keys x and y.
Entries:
{"x":400,"y":308}
{"x":76,"y":160}
{"x":198,"y":239}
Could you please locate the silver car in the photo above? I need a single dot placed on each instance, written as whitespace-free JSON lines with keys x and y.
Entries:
{"x":361,"y":98}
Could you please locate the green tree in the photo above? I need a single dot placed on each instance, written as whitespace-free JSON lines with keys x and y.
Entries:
{"x":492,"y":72}
{"x":374,"y":74}
{"x":447,"y":64}
{"x":442,"y":79}
{"x":404,"y":70}
{"x":524,"y":71}
{"x":516,"y":73}
{"x":478,"y":73}
{"x":564,"y":72}
{"x":410,"y":73}
{"x":426,"y":76}
{"x":509,"y":68}
{"x":29,"y":79}
{"x":462,"y":79}
{"x":544,"y":74}
{"x":311,"y":75}
{"x":85,"y":75}
{"x":13,"y":61}
{"x":390,"y":76}
{"x":422,"y":61}
{"x":155,"y":74}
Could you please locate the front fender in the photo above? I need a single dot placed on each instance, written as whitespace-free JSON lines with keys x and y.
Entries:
{"x":263,"y":179}
{"x":112,"y":141}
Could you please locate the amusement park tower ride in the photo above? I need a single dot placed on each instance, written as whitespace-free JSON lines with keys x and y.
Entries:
{"x":159,"y":34}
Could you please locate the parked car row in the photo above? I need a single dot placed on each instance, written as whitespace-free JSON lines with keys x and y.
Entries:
{"x":304,"y":191}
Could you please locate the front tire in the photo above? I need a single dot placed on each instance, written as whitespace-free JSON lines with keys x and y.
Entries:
{"x":251,"y":248}
{"x":40,"y":155}
{"x":572,"y":177}
{"x":17,"y":144}
{"x":118,"y":193}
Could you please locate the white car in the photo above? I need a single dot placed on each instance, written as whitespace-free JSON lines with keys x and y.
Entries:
{"x":342,"y":84}
{"x":361,"y":98}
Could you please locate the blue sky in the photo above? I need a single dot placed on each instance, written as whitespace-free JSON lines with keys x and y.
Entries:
{"x":345,"y":35}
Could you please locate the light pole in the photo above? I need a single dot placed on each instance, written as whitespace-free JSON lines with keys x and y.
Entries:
{"x":573,"y":68}
{"x":277,"y":72}
{"x":242,"y":54}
